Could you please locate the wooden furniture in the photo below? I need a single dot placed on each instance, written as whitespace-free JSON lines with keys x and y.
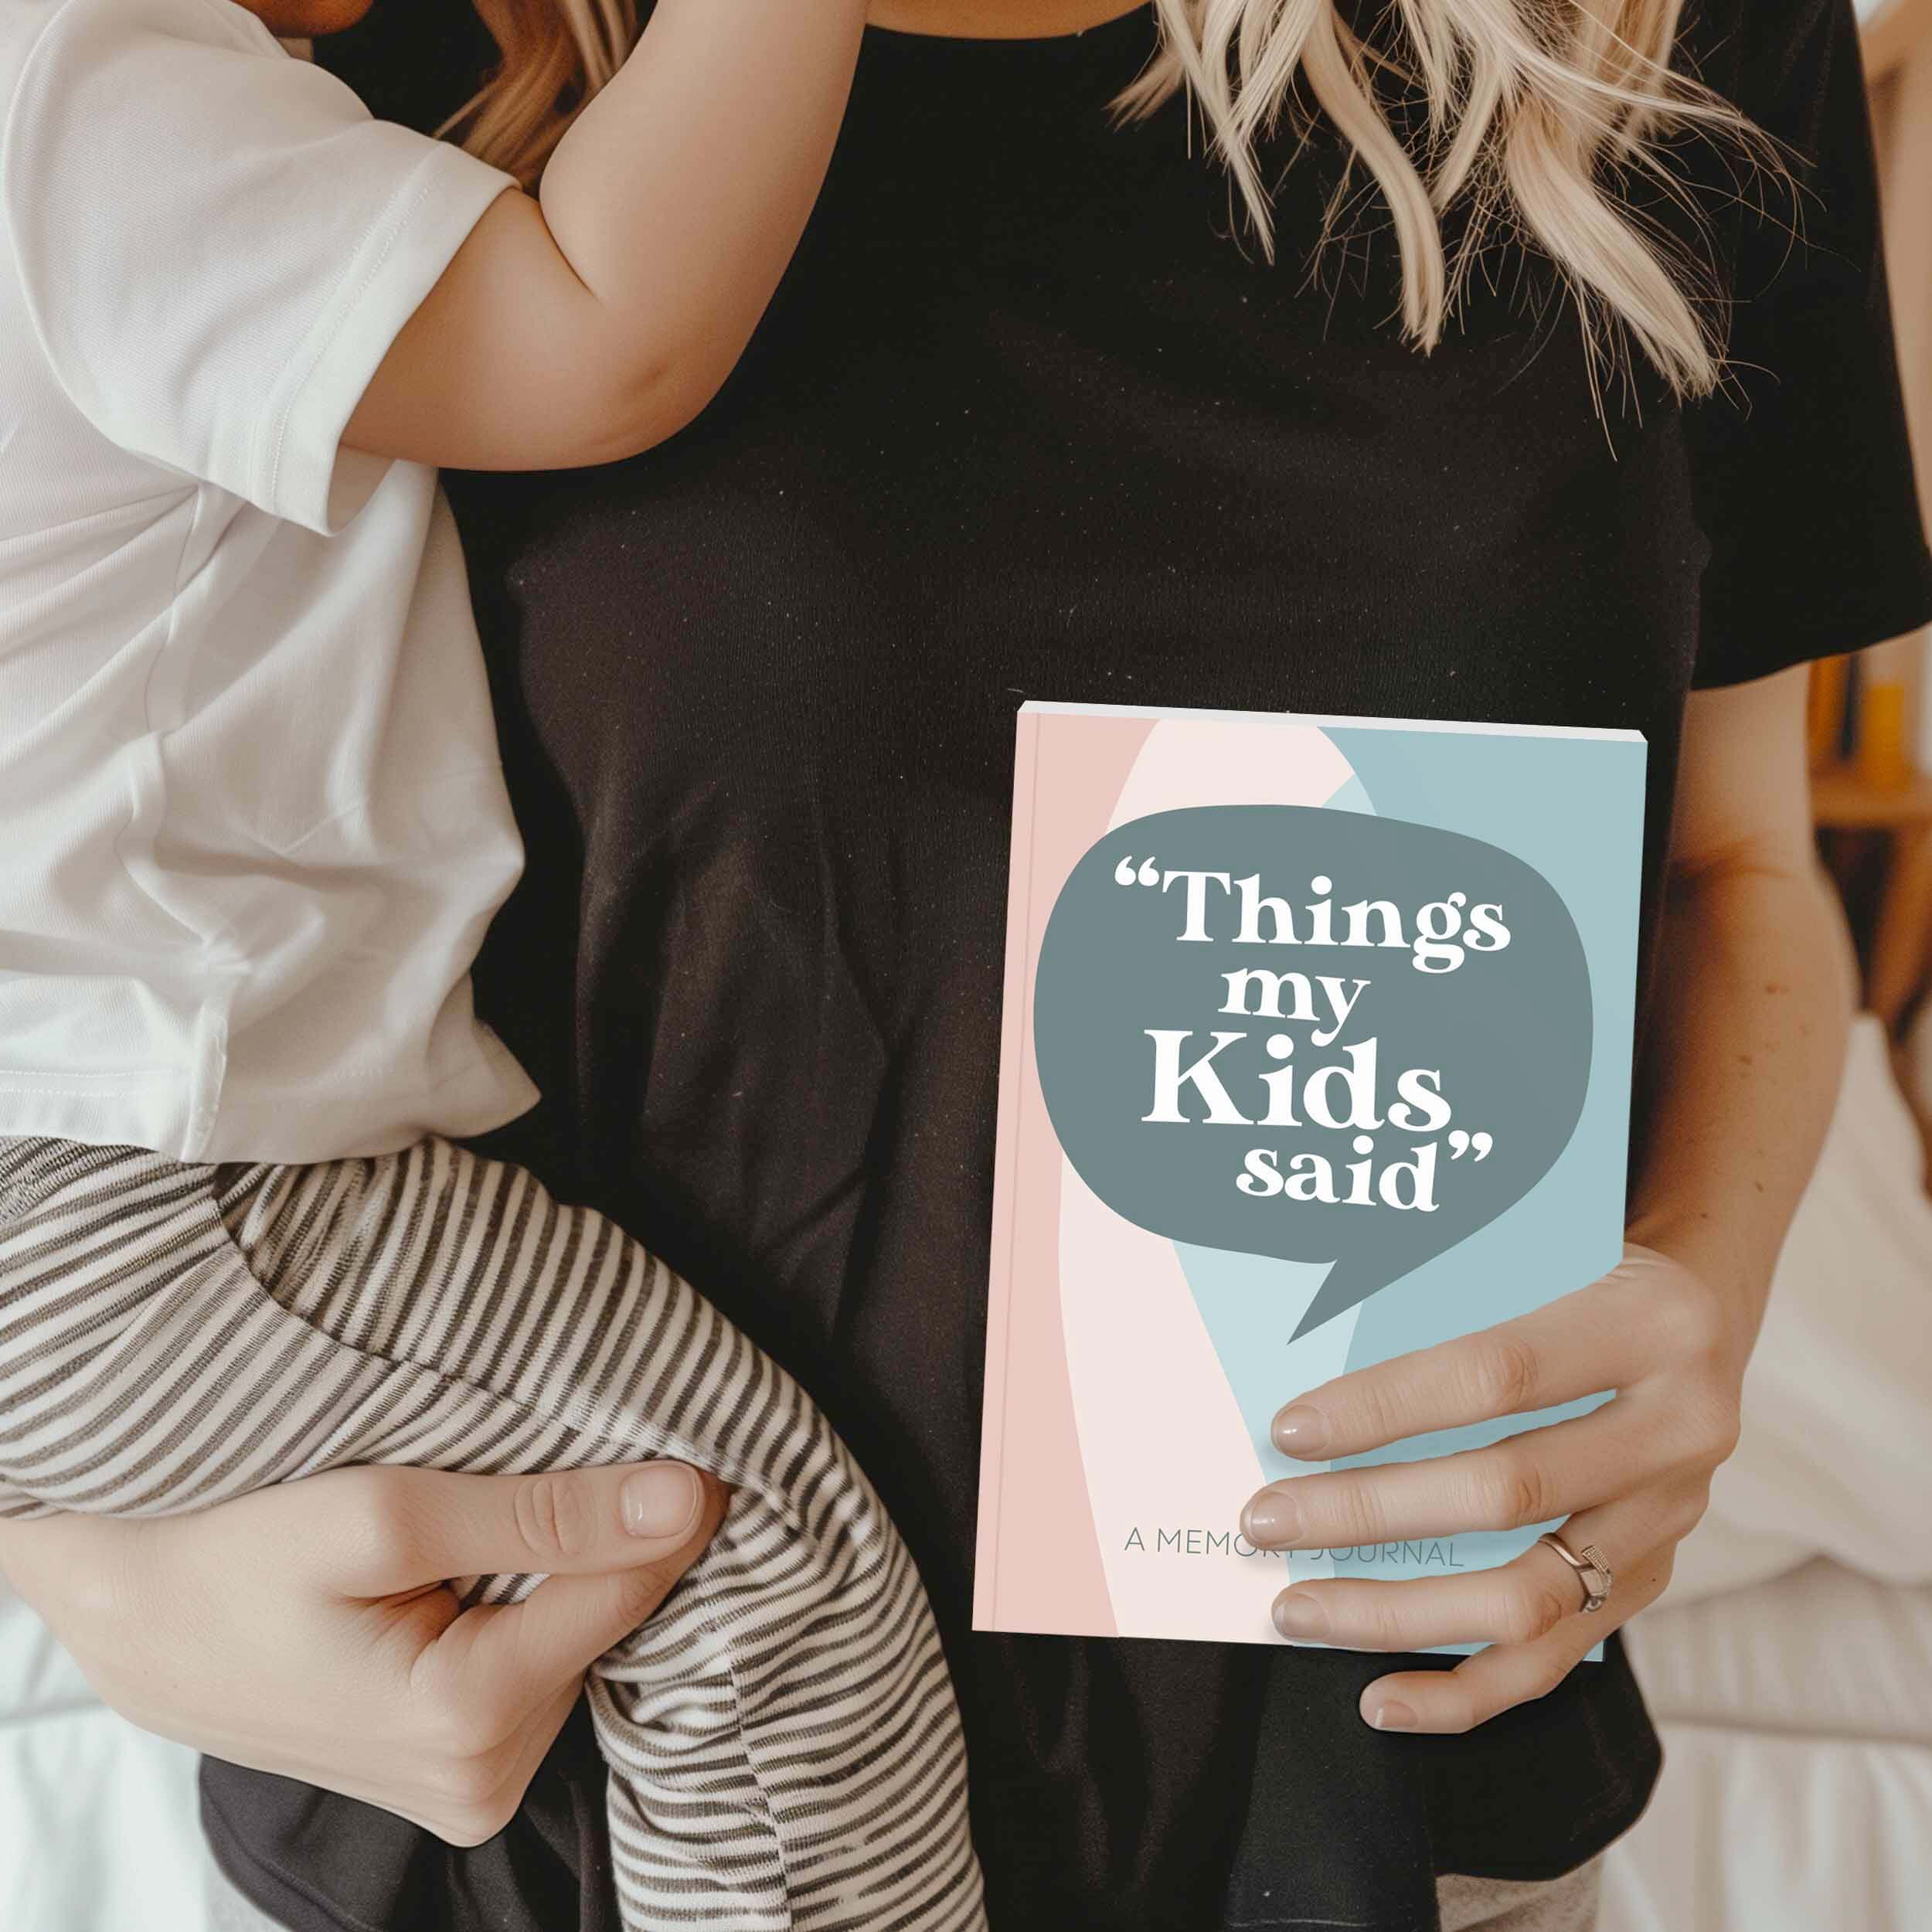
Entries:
{"x":1899,"y":965}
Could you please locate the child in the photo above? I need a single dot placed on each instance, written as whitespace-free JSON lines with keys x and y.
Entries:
{"x":257,"y":827}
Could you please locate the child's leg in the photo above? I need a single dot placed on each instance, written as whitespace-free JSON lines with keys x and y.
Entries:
{"x":785,"y":1749}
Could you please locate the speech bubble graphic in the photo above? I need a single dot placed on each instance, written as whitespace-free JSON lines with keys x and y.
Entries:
{"x":1312,"y":1034}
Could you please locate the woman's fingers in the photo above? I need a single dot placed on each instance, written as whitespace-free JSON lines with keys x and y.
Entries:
{"x":305,"y":1631}
{"x":1505,"y":1675}
{"x":1608,"y":1335}
{"x":469,"y":1796}
{"x":492,"y":1665}
{"x":478,"y":1795}
{"x":1518,"y":1602}
{"x":388,"y":1531}
{"x":1534,"y":1477}
{"x":1631,"y":1476}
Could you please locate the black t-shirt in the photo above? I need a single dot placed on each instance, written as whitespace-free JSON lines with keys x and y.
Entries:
{"x":1026,"y":419}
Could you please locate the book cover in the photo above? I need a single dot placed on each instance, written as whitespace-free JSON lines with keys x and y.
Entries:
{"x":1316,"y":1049}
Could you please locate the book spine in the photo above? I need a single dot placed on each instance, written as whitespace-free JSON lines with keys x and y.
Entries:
{"x":1012,"y":1051}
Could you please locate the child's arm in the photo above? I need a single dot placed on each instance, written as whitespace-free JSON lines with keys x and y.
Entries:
{"x":601,"y":321}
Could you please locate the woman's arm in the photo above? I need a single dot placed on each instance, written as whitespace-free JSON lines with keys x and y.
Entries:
{"x":1753,"y":998}
{"x":599,"y":321}
{"x":306,"y":1629}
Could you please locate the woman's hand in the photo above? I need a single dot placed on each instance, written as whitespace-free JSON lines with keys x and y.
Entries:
{"x":307,"y":1630}
{"x":1633,"y":1477}
{"x":1745,"y":1037}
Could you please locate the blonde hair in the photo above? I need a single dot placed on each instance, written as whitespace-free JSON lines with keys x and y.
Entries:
{"x":1532,"y":113}
{"x":556,"y":55}
{"x":1529,"y":115}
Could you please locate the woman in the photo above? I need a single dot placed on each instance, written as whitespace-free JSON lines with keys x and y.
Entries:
{"x":1033,"y":415}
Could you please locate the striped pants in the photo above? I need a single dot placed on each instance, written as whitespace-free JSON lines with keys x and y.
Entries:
{"x":784,"y":1746}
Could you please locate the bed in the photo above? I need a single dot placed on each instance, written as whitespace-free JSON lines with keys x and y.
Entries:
{"x":1790,"y":1667}
{"x":97,"y":1820}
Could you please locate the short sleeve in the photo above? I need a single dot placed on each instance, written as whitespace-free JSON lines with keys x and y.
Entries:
{"x":1801,"y":472}
{"x":218,"y":244}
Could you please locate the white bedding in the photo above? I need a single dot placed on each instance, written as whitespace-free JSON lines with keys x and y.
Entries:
{"x":1836,"y":1456}
{"x":1797,"y":1794}
{"x":1790,"y":1665}
{"x":97,"y":1820}
{"x":1791,"y":1668}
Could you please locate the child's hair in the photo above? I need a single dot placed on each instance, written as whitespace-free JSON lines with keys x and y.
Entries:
{"x":556,"y":54}
{"x":1531,"y":114}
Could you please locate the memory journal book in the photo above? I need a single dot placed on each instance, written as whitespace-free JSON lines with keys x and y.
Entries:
{"x":1317,"y":1050}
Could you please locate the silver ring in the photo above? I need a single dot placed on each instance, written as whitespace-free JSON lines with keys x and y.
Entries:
{"x":1596,"y":1576}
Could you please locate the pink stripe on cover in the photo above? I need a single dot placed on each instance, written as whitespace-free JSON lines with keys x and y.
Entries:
{"x":1038,"y":1567}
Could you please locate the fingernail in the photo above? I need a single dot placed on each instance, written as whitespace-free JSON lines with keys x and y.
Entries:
{"x":1394,"y":1717}
{"x":661,"y":1501}
{"x":1270,"y":1519}
{"x":1301,"y":1431}
{"x":1297,"y":1615}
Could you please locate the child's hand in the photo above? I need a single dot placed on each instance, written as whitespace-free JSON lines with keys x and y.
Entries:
{"x":306,"y":1630}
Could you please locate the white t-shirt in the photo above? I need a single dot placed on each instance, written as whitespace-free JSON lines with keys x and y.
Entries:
{"x":254,"y":818}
